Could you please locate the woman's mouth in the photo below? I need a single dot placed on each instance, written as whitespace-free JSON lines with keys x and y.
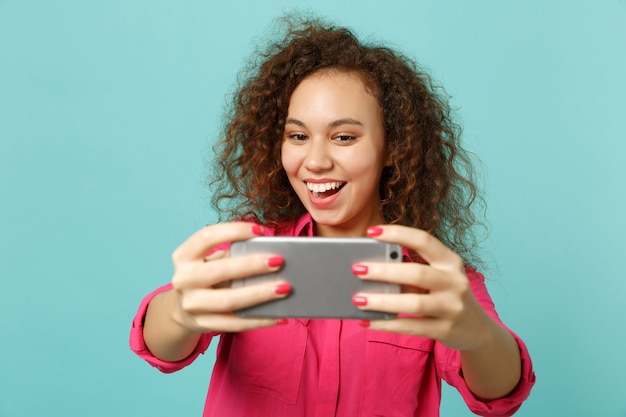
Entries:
{"x":325,"y":189}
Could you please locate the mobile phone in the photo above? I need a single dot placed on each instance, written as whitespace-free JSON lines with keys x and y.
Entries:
{"x":319,"y":270}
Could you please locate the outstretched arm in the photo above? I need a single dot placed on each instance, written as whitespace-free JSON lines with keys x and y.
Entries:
{"x":201,"y":300}
{"x":437,"y":302}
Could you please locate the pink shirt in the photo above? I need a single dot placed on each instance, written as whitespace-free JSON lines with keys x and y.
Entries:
{"x":319,"y":368}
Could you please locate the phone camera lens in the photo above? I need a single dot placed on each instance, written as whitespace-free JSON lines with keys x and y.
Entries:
{"x":393,"y":255}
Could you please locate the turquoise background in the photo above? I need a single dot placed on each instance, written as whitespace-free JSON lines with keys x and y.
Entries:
{"x":107,"y":114}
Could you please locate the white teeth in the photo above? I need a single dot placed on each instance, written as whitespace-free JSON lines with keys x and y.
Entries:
{"x":320,"y":188}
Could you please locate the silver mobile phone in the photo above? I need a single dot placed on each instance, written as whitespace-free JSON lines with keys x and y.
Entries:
{"x":319,"y":270}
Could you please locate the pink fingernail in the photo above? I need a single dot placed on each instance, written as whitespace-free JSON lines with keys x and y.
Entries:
{"x":274,"y":261}
{"x":364,"y":323}
{"x":282,"y":289}
{"x":359,"y":300}
{"x":359,"y":269}
{"x":374,"y":231}
{"x":281,"y":322}
{"x":257,"y":229}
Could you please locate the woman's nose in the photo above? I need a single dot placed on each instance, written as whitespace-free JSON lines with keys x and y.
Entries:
{"x":318,"y":157}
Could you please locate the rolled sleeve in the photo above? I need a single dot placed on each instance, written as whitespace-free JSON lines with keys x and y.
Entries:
{"x":449,"y":363}
{"x":138,"y":344}
{"x":505,"y":406}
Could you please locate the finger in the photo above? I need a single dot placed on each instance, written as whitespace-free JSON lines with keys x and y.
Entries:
{"x":226,"y":300}
{"x":429,"y":247}
{"x":218,"y":254}
{"x":420,"y":305}
{"x":201,"y":242}
{"x":406,"y":273}
{"x":206,"y":274}
{"x":228,"y":322}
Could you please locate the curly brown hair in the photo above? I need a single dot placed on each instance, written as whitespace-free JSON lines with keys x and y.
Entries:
{"x":431,"y":182}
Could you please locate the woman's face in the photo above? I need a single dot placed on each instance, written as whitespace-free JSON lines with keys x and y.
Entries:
{"x":333,"y":152}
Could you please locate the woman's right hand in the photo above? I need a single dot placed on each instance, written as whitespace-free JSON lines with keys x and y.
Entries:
{"x":204,"y":300}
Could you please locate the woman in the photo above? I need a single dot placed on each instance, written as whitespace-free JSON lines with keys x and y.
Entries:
{"x":331,"y":137}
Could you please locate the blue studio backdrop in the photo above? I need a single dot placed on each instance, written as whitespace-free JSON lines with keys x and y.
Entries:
{"x":108,"y":111}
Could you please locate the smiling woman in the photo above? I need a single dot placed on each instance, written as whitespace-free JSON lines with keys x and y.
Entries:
{"x":330,"y":137}
{"x":428,"y":181}
{"x":334,"y":152}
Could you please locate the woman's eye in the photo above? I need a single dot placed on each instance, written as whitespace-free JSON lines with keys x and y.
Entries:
{"x":344,"y":138}
{"x":297,"y":136}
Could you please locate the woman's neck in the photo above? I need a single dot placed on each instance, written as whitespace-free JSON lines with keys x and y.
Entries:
{"x":352,"y":229}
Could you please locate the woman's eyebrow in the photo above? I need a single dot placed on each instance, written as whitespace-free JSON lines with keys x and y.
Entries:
{"x":346,"y":121}
{"x":293,"y":121}
{"x":334,"y":123}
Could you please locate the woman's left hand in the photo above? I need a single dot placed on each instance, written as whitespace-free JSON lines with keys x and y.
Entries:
{"x":437,"y":302}
{"x":436,"y":299}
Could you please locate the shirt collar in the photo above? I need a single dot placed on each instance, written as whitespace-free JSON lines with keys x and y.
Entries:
{"x":304,"y":226}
